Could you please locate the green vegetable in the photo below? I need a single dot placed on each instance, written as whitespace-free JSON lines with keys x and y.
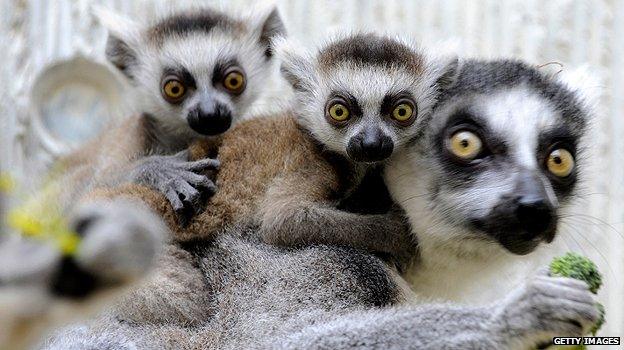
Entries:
{"x":576,"y":266}
{"x":579,"y":267}
{"x":601,"y":320}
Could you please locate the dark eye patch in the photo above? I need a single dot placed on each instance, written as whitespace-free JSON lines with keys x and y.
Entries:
{"x":465,"y":119}
{"x":183,"y":74}
{"x":218,"y":73}
{"x":558,"y":135}
{"x":390,"y":100}
{"x":352,"y":103}
{"x":462,"y":174}
{"x":550,"y":140}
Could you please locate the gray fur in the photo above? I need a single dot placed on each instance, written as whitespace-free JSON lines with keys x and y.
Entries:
{"x":486,"y":77}
{"x":121,"y":240}
{"x":306,"y":223}
{"x":320,"y":297}
{"x":178,"y":179}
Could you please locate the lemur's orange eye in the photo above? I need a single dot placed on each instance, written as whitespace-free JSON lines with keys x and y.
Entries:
{"x":402,"y":112}
{"x":560,"y":162}
{"x":173,"y":90}
{"x":465,"y":145}
{"x":234,"y":82}
{"x":339,"y":112}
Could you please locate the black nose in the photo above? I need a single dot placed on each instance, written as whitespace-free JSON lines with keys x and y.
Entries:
{"x":536,"y":217}
{"x":210,"y":118}
{"x":370,"y":146}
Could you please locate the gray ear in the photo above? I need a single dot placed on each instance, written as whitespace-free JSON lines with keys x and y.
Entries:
{"x":123,"y":39}
{"x":297,"y":67}
{"x":121,"y":55}
{"x":272,"y":27}
{"x":448,"y":76}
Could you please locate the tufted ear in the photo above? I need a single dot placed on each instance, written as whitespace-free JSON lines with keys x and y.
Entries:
{"x":586,"y":84}
{"x":123,"y":40}
{"x":447,"y":74}
{"x":271,"y":28}
{"x":297,"y":65}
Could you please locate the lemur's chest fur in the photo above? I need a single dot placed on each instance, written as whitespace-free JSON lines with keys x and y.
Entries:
{"x":443,"y":275}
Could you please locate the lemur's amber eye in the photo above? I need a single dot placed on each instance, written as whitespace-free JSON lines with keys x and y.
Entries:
{"x":560,"y":162}
{"x":339,"y":112}
{"x":173,"y":90}
{"x":234,"y":82}
{"x":402,"y":112}
{"x":465,"y":145}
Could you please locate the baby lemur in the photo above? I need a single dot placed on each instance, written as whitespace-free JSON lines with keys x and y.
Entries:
{"x":195,"y":73}
{"x":290,"y":171}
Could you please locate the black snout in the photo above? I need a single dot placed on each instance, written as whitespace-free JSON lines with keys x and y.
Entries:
{"x":533,"y":209}
{"x":210,"y":118}
{"x":370,"y":145}
{"x":535,"y":217}
{"x":522,"y":220}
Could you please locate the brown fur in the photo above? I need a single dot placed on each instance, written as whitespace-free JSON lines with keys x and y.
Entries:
{"x":274,"y":174}
{"x":102,"y":160}
{"x":370,"y":49}
{"x":264,"y":160}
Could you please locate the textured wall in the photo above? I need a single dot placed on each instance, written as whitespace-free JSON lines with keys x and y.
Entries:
{"x":37,"y":34}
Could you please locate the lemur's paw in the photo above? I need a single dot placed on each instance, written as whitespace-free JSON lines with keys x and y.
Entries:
{"x":40,"y":288}
{"x":400,"y":245}
{"x":547,"y":307}
{"x":26,"y":262}
{"x":120,"y":242}
{"x":183,"y":182}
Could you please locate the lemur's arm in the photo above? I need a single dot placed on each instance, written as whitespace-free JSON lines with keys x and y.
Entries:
{"x":156,"y":198}
{"x":97,"y":163}
{"x":297,"y":210}
{"x":146,"y":156}
{"x":544,"y":308}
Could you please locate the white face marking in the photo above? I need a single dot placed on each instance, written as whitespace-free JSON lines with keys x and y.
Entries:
{"x":198,"y":53}
{"x":369,"y":86}
{"x":517,"y":114}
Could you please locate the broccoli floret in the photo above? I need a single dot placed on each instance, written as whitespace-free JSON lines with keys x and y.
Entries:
{"x":579,"y":267}
{"x":601,"y":320}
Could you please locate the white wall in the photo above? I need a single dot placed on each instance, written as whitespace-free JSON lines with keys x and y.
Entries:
{"x":35,"y":34}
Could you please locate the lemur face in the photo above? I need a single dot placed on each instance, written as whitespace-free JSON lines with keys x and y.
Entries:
{"x":197,"y":73}
{"x":362,"y":96}
{"x":500,"y":160}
